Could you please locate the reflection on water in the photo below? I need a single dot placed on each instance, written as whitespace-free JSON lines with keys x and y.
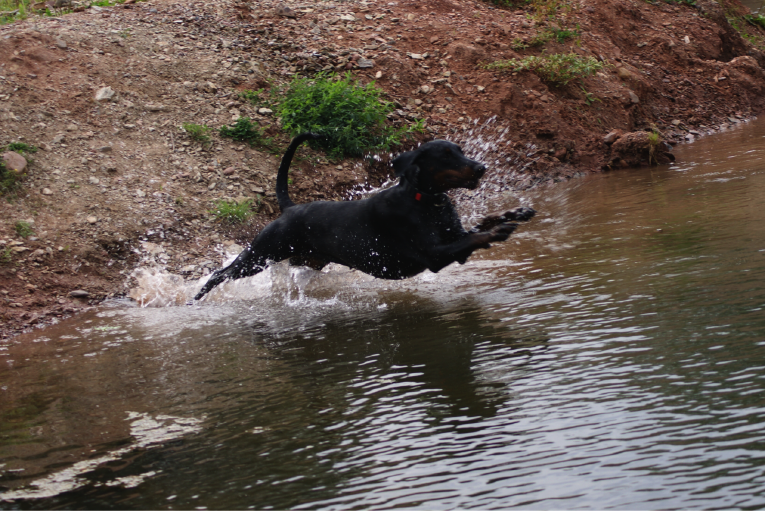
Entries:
{"x":610,"y":355}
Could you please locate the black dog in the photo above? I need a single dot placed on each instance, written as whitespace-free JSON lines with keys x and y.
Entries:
{"x":394,"y":234}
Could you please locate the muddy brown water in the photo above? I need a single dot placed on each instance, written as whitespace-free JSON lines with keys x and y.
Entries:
{"x":610,"y":355}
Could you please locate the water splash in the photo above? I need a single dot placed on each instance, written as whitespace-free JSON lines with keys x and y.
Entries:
{"x":507,"y":163}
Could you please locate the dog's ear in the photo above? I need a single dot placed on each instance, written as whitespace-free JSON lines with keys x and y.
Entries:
{"x":404,"y":165}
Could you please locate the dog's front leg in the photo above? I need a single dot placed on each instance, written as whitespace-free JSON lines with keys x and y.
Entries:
{"x":443,"y":255}
{"x":492,"y":220}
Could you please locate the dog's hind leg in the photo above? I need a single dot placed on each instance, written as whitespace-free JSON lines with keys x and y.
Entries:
{"x":269,"y":246}
{"x":245,"y":265}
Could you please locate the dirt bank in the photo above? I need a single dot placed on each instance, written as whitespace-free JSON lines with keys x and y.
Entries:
{"x":116,"y":182}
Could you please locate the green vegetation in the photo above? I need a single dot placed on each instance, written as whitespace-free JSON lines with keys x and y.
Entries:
{"x":197,"y":132}
{"x":19,"y":147}
{"x":253,"y":96}
{"x":232,"y":211}
{"x":23,"y":229}
{"x":557,"y":69}
{"x":589,"y":97}
{"x":14,"y":10}
{"x":6,"y":255}
{"x":351,"y":117}
{"x":654,"y":139}
{"x":758,"y":20}
{"x":9,"y":180}
{"x":244,"y":130}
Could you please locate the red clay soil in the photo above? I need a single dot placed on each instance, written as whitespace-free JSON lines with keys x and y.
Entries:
{"x":116,"y":182}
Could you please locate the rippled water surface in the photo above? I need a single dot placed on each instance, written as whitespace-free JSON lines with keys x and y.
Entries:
{"x":610,"y":355}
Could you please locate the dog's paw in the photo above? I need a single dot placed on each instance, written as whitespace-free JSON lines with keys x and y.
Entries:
{"x":502,"y":231}
{"x":521,"y":214}
{"x":490,"y":221}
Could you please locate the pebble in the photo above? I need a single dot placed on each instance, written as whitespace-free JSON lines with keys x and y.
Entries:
{"x":105,"y":94}
{"x":91,"y":219}
{"x":79,"y":293}
{"x":47,"y":191}
{"x":265,"y":111}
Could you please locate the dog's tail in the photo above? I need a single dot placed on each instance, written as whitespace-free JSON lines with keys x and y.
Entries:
{"x":282,"y":179}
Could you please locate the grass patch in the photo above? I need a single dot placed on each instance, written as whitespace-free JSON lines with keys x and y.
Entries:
{"x":23,"y":229}
{"x":557,"y":69}
{"x":6,"y":255}
{"x":244,"y":130}
{"x":198,"y":132}
{"x":232,"y":212}
{"x":351,"y":117}
{"x":9,"y":180}
{"x":20,"y":147}
{"x":15,"y":10}
{"x":654,"y":139}
{"x":253,"y":96}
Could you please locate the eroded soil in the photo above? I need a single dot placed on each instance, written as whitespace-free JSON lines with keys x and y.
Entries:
{"x":117,"y":183}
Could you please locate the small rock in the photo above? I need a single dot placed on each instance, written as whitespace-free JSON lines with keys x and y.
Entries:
{"x":59,"y":138}
{"x":677,"y":122}
{"x":105,"y":149}
{"x":365,"y":63}
{"x":60,"y":43}
{"x":71,"y":127}
{"x":229,"y":171}
{"x":634,"y":98}
{"x":105,"y":94}
{"x":93,"y":180}
{"x":14,"y":161}
{"x":91,"y":219}
{"x":265,"y":111}
{"x":283,"y":10}
{"x":79,"y":293}
{"x":47,"y":191}
{"x":612,"y":137}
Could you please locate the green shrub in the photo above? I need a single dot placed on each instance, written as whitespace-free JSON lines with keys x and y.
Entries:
{"x":557,"y":69}
{"x":351,"y":117}
{"x":198,"y":132}
{"x":232,"y":211}
{"x":23,"y":229}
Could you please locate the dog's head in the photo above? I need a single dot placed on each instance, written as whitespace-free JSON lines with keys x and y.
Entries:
{"x":438,"y":166}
